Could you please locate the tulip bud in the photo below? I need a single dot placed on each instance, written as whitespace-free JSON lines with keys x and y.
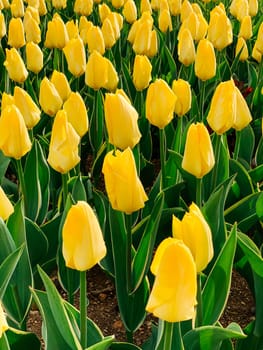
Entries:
{"x":173,"y":295}
{"x":61,"y":84}
{"x":104,"y":11}
{"x":2,"y":25}
{"x":81,"y":233}
{"x":205,"y":60}
{"x":198,"y":157}
{"x":59,"y":4}
{"x":17,"y":8}
{"x":242,"y":116}
{"x":34,"y":57}
{"x":165,"y":21}
{"x":123,"y":186}
{"x":15,"y":66}
{"x":49,"y":98}
{"x":186,"y":47}
{"x":175,"y":7}
{"x":72,"y":29}
{"x":195,"y":232}
{"x":153,"y":49}
{"x":219,"y":29}
{"x":142,"y":38}
{"x":160,"y":103}
{"x":182,"y":91}
{"x":74,"y":52}
{"x":95,"y":40}
{"x":96,"y":75}
{"x":130,"y":11}
{"x":245,"y":30}
{"x":14,"y":138}
{"x":7,"y":100}
{"x":32,"y":29}
{"x":108,"y":33}
{"x":3,"y":323}
{"x":56,"y":34}
{"x":112,"y":76}
{"x":83,"y":7}
{"x":252,"y":7}
{"x":121,"y":121}
{"x":16,"y":34}
{"x":79,"y":121}
{"x":42,"y":9}
{"x":117,"y":4}
{"x":239,"y":9}
{"x":6,"y":209}
{"x":63,"y":149}
{"x":142,"y":70}
{"x":241,"y":49}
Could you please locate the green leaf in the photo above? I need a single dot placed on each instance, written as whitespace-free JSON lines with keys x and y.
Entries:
{"x":36,"y":241}
{"x":247,"y":144}
{"x":103,"y":344}
{"x":4,"y":162}
{"x":259,"y":152}
{"x":7,"y":245}
{"x":19,"y":340}
{"x":4,"y":345}
{"x":124,"y":346}
{"x":242,"y":177}
{"x":96,"y":130}
{"x":256,"y":174}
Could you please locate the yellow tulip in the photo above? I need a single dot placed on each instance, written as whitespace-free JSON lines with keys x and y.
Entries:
{"x":112,"y":76}
{"x":14,"y":138}
{"x":15,"y":66}
{"x":173,"y":295}
{"x":29,"y":110}
{"x":84,"y":26}
{"x":2,"y":25}
{"x":182,"y":91}
{"x":79,"y":121}
{"x":186,"y":47}
{"x":3,"y":323}
{"x":165,"y":21}
{"x":59,"y":4}
{"x":42,"y":8}
{"x":33,"y":12}
{"x":198,"y":158}
{"x":259,"y":40}
{"x":17,"y":8}
{"x":32,"y":29}
{"x":61,"y":84}
{"x":83,"y":7}
{"x":96,"y":74}
{"x":104,"y":11}
{"x":202,"y":28}
{"x":16,"y":34}
{"x":160,"y":103}
{"x":117,"y":4}
{"x":242,"y":116}
{"x":63,"y":149}
{"x":256,"y":53}
{"x":34,"y":57}
{"x":7,"y":99}
{"x":116,"y":20}
{"x":191,"y":23}
{"x":245,"y":30}
{"x":205,"y":60}
{"x":239,"y":9}
{"x":142,"y":38}
{"x":241,"y":49}
{"x":121,"y":121}
{"x":108,"y":33}
{"x":195,"y":232}
{"x":56,"y":34}
{"x":252,"y":7}
{"x":142,"y":70}
{"x":145,"y":6}
{"x":72,"y":29}
{"x":95,"y":40}
{"x":49,"y":98}
{"x":123,"y":186}
{"x":6,"y":209}
{"x":175,"y":7}
{"x":153,"y":49}
{"x":74,"y":52}
{"x":186,"y":9}
{"x":83,"y":245}
{"x":130,"y":11}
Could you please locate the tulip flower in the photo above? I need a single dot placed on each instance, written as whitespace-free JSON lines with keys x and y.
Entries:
{"x":245,"y":30}
{"x":104,"y":11}
{"x":84,"y":26}
{"x":63,"y":149}
{"x":56,"y":34}
{"x":175,"y":7}
{"x":7,"y":99}
{"x":186,"y":47}
{"x":34,"y":57}
{"x":95,"y":40}
{"x":72,"y":29}
{"x":108,"y":33}
{"x":15,"y":66}
{"x":59,"y":4}
{"x":42,"y":8}
{"x":79,"y":121}
{"x":182,"y":91}
{"x":205,"y":60}
{"x":252,"y":7}
{"x":96,"y":71}
{"x":121,"y":121}
{"x":239,"y":9}
{"x":142,"y":70}
{"x":17,"y":8}
{"x":123,"y":186}
{"x":83,"y":7}
{"x":6,"y":209}
{"x":14,"y":138}
{"x":242,"y":116}
{"x":241,"y":49}
{"x":31,"y":28}
{"x":186,"y":9}
{"x":16,"y":34}
{"x":117,"y":4}
{"x":198,"y":158}
{"x":195,"y":232}
{"x":116,"y":20}
{"x":2,"y":25}
{"x":153,"y":49}
{"x":165,"y":21}
{"x":160,"y":103}
{"x":259,"y":39}
{"x":32,"y":10}
{"x":142,"y":38}
{"x":130,"y":11}
{"x":112,"y":76}
{"x":3,"y":323}
{"x":75,"y":56}
{"x":61,"y":84}
{"x":173,"y":295}
{"x":145,"y":6}
{"x":83,"y":245}
{"x":191,"y":23}
{"x":29,"y":110}
{"x":49,"y":98}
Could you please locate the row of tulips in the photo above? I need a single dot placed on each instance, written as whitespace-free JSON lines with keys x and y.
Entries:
{"x":93,"y":95}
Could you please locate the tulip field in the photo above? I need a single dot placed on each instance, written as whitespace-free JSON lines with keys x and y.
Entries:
{"x":130,"y":138}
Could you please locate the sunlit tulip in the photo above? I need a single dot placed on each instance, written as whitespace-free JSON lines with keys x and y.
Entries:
{"x":201,"y":29}
{"x":79,"y":120}
{"x":33,"y":3}
{"x":241,"y":49}
{"x":42,"y":9}
{"x":121,"y":121}
{"x":61,"y":83}
{"x":83,"y":245}
{"x":165,"y":21}
{"x":72,"y":29}
{"x":84,"y":26}
{"x":108,"y":33}
{"x":145,"y":6}
{"x":28,"y":108}
{"x":83,"y":7}
{"x":186,"y":9}
{"x":3,"y":322}
{"x":33,"y":12}
{"x":96,"y":75}
{"x":63,"y":149}
{"x":104,"y":11}
{"x":245,"y":30}
{"x":117,"y":4}
{"x":123,"y":186}
{"x":175,"y":7}
{"x":2,"y":25}
{"x":14,"y":138}
{"x":34,"y":57}
{"x":15,"y":66}
{"x":239,"y":9}
{"x":75,"y":56}
{"x":173,"y":295}
{"x":17,"y":8}
{"x":160,"y":103}
{"x":7,"y":99}
{"x":252,"y":7}
{"x":95,"y":40}
{"x":32,"y":29}
{"x":16,"y":33}
{"x":186,"y":47}
{"x":153,"y":49}
{"x":142,"y":70}
{"x":130,"y":11}
{"x":112,"y":76}
{"x":59,"y":4}
{"x":242,"y":116}
{"x":182,"y":91}
{"x":56,"y":34}
{"x":191,"y":23}
{"x":6,"y":209}
{"x":256,"y":53}
{"x":195,"y":232}
{"x":49,"y":98}
{"x":205,"y":60}
{"x":142,"y":38}
{"x":198,"y":158}
{"x":116,"y":20}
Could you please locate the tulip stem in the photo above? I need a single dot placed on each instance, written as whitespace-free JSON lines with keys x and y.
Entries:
{"x":199,"y":192}
{"x":237,"y":145}
{"x":217,"y":163}
{"x":128,"y":223}
{"x":162,"y":157}
{"x":64,"y":188}
{"x":21,"y":180}
{"x":168,"y":335}
{"x":202,"y":99}
{"x":199,"y":308}
{"x":83,"y":309}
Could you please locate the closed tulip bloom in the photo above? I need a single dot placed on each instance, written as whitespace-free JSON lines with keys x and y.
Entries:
{"x":108,"y":33}
{"x":142,"y":70}
{"x":29,"y":110}
{"x":96,"y":75}
{"x":175,"y":7}
{"x":252,"y":7}
{"x":173,"y":295}
{"x":16,"y":34}
{"x":104,"y":11}
{"x":49,"y":98}
{"x":182,"y":91}
{"x":61,"y":84}
{"x":142,"y":38}
{"x":116,"y":20}
{"x":256,"y":53}
{"x":56,"y":34}
{"x":33,"y":11}
{"x":121,"y":121}
{"x":63,"y":149}
{"x":3,"y":323}
{"x":83,"y":7}
{"x":186,"y":9}
{"x":72,"y":29}
{"x":153,"y":49}
{"x":186,"y":47}
{"x":123,"y":185}
{"x":34,"y":57}
{"x":259,"y":39}
{"x":198,"y":158}
{"x":15,"y":66}
{"x":42,"y":8}
{"x":17,"y":8}
{"x":112,"y":76}
{"x":165,"y":21}
{"x":205,"y":60}
{"x":219,"y":29}
{"x":117,"y":4}
{"x":59,"y":4}
{"x":83,"y":245}
{"x":242,"y":116}
{"x":145,"y":6}
{"x":130,"y":11}
{"x":14,"y":138}
{"x":195,"y":232}
{"x":95,"y":40}
{"x":7,"y":99}
{"x":79,"y":121}
{"x":191,"y":23}
{"x":74,"y":52}
{"x":32,"y":29}
{"x":6,"y":209}
{"x":202,"y":28}
{"x":245,"y":30}
{"x":2,"y":25}
{"x":84,"y":26}
{"x":239,"y":9}
{"x":160,"y":103}
{"x":241,"y":49}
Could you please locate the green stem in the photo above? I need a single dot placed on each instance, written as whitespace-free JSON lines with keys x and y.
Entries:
{"x":83,"y":309}
{"x":202,"y":99}
{"x":237,"y":145}
{"x":199,"y":308}
{"x":168,"y":335}
{"x":217,"y":156}
{"x":21,"y":180}
{"x":64,"y":188}
{"x":199,"y":192}
{"x":162,"y":156}
{"x":128,"y":219}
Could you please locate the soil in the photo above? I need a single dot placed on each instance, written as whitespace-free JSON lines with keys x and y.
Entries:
{"x":103,"y":308}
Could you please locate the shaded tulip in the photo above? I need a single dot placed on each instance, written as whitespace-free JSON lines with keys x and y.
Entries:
{"x":121,"y":121}
{"x":56,"y":34}
{"x":175,"y":7}
{"x":49,"y":98}
{"x":29,"y":110}
{"x":96,"y":74}
{"x":108,"y":33}
{"x":42,"y":8}
{"x":239,"y":9}
{"x":165,"y":21}
{"x":145,"y":6}
{"x":198,"y":158}
{"x":95,"y":40}
{"x":242,"y":116}
{"x":112,"y":76}
{"x":104,"y":11}
{"x":160,"y":103}
{"x":61,"y":84}
{"x":252,"y":7}
{"x":182,"y":91}
{"x":186,"y":47}
{"x":16,"y":34}
{"x":241,"y":49}
{"x":6,"y":209}
{"x":256,"y":53}
{"x":259,"y":39}
{"x":63,"y":149}
{"x":79,"y":121}
{"x":59,"y":4}
{"x":34,"y":57}
{"x":72,"y":29}
{"x":83,"y":245}
{"x":74,"y":52}
{"x":195,"y":232}
{"x":7,"y":99}
{"x":14,"y":138}
{"x":130,"y":11}
{"x":153,"y":49}
{"x":123,"y":186}
{"x":205,"y":60}
{"x":32,"y":29}
{"x":173,"y":295}
{"x":142,"y":70}
{"x":83,"y":7}
{"x":15,"y":66}
{"x":2,"y":25}
{"x":117,"y":4}
{"x":17,"y":8}
{"x":245,"y":30}
{"x":3,"y":323}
